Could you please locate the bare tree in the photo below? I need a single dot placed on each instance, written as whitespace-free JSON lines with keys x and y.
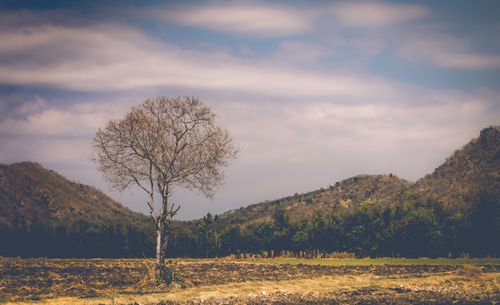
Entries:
{"x":160,"y":144}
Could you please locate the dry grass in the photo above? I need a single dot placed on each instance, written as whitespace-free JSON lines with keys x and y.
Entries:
{"x":126,"y":281}
{"x":451,"y":281}
{"x":469,"y":271}
{"x":347,"y":261}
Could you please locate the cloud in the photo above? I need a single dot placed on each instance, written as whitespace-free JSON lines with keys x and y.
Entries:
{"x":268,"y":20}
{"x":466,"y":61}
{"x":72,"y":122}
{"x":291,"y":129}
{"x":20,"y":105}
{"x":31,"y":106}
{"x":107,"y":58}
{"x":298,"y":51}
{"x":376,"y":14}
{"x":298,"y":147}
{"x":447,"y":51}
{"x":301,"y":124}
{"x":57,"y":135}
{"x":286,"y":147}
{"x":263,"y":20}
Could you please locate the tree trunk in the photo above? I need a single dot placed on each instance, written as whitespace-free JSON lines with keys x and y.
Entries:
{"x":158,"y":254}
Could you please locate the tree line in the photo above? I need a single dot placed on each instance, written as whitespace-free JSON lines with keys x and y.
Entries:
{"x":415,"y":228}
{"x":80,"y":240}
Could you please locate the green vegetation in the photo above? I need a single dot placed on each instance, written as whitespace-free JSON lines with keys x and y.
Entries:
{"x":380,"y":261}
{"x":453,"y":212}
{"x":346,"y":194}
{"x":415,"y":228}
{"x":44,"y":214}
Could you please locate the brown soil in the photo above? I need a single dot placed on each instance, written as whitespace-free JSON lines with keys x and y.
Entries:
{"x":35,"y":279}
{"x":359,"y":297}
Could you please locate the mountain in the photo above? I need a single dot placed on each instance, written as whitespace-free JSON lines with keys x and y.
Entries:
{"x":454,"y":211}
{"x":456,"y":182}
{"x":33,"y":193}
{"x":473,"y":168}
{"x":346,"y":194}
{"x":44,"y":214}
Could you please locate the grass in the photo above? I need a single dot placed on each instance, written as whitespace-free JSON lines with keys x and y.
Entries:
{"x":379,"y":261}
{"x":487,"y":283}
{"x":124,"y":281}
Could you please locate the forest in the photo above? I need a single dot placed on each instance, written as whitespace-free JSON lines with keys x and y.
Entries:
{"x":416,"y":228}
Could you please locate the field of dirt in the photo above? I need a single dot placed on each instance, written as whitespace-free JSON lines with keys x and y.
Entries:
{"x":358,"y":297}
{"x":39,"y":279}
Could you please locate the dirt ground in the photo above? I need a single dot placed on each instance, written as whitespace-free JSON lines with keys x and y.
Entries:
{"x":41,"y":279}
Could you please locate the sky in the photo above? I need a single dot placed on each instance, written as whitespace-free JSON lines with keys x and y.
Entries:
{"x":312,"y":92}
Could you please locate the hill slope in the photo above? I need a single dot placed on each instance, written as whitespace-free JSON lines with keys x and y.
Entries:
{"x":30,"y":193}
{"x":456,"y":209}
{"x":44,"y":214}
{"x":473,"y":168}
{"x":453,"y":211}
{"x":347,"y":194}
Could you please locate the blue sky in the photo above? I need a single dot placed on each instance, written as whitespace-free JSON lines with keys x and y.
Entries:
{"x":313,"y":92}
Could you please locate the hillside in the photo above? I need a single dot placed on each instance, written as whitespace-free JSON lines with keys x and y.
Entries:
{"x":29,"y":192}
{"x":469,"y":170}
{"x":44,"y":214}
{"x":473,"y":168}
{"x":347,"y":194}
{"x":454,"y":211}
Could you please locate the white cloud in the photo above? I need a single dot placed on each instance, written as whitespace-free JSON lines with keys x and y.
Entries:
{"x":297,"y":51}
{"x":299,"y":128}
{"x":376,"y":14}
{"x":298,"y":147}
{"x":285,"y":147}
{"x":447,"y":51}
{"x":269,"y":20}
{"x":79,"y":120}
{"x":253,"y":19}
{"x":368,"y":45}
{"x":466,"y":61}
{"x":32,"y":106}
{"x":20,"y":105}
{"x":103,"y":58}
{"x":297,"y":131}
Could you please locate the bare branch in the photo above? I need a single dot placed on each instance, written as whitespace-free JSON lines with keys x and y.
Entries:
{"x":165,"y":142}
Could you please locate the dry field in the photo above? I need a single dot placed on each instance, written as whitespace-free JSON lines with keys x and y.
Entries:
{"x":224,"y":281}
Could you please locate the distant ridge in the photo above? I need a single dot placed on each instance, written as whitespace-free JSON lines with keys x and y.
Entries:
{"x":473,"y":168}
{"x":44,"y":214}
{"x":29,"y":192}
{"x":346,"y":194}
{"x":453,"y":210}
